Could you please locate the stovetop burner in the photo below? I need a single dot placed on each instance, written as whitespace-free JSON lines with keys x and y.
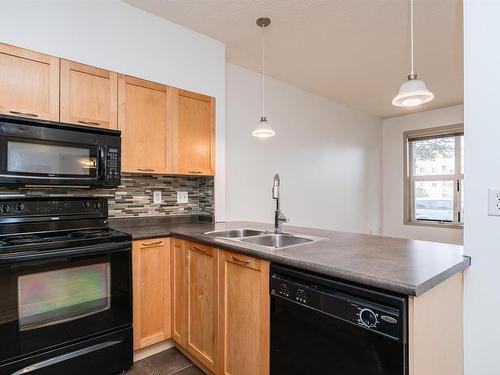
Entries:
{"x":58,"y":239}
{"x":22,"y":239}
{"x":55,"y":225}
{"x":90,"y":233}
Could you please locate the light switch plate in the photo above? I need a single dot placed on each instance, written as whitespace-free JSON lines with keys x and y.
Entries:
{"x":156,"y":197}
{"x":494,"y":202}
{"x":182,"y":197}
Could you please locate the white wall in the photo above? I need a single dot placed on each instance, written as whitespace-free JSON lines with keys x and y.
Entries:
{"x":393,"y":172}
{"x":328,"y":157}
{"x":116,"y":36}
{"x":482,"y":167}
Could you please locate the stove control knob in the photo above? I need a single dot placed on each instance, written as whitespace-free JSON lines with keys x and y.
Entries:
{"x":96,"y":205}
{"x":368,"y":318}
{"x":85,"y":204}
{"x":20,"y":206}
{"x":5,"y":208}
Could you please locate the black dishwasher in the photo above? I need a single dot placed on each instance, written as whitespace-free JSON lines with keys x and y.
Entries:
{"x":324,"y":326}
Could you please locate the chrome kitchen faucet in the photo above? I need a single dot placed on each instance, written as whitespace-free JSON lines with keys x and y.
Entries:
{"x":279,"y":218}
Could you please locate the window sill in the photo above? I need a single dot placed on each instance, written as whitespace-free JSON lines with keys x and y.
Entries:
{"x":435,"y":225}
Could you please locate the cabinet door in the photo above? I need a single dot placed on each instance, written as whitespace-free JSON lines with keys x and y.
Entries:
{"x":243,"y":315}
{"x":142,"y":118}
{"x":202,"y":307}
{"x":29,"y":83}
{"x":179,"y":291}
{"x":151,"y":286}
{"x":193,"y":132}
{"x":89,"y":96}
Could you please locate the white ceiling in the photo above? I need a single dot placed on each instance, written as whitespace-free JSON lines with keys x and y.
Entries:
{"x":352,"y":51}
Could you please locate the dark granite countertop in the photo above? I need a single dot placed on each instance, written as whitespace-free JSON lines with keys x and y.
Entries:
{"x":404,"y":266}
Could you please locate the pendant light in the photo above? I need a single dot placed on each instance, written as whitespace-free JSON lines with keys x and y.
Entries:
{"x":413,"y":92}
{"x":263,"y":129}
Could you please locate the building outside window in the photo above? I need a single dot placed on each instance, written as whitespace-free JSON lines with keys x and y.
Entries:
{"x":434,"y":176}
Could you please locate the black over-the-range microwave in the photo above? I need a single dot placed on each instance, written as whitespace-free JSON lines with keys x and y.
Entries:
{"x":37,"y":152}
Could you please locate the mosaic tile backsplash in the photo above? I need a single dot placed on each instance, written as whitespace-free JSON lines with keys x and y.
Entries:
{"x":134,"y":196}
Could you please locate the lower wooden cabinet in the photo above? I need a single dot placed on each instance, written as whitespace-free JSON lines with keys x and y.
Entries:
{"x":151,"y":291}
{"x":220,"y":308}
{"x":202,"y":304}
{"x":243,"y":315}
{"x":178,"y":258}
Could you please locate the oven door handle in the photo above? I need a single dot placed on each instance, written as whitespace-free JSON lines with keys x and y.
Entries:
{"x":66,"y":356}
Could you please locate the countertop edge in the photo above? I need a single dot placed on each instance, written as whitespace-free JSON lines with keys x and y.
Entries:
{"x":397,"y":287}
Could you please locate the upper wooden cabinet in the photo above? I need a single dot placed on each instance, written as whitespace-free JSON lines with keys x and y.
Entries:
{"x":243,"y":315}
{"x":192,"y":124}
{"x":142,"y":118}
{"x":165,"y":130}
{"x":151,"y":283}
{"x":29,"y":83}
{"x":89,"y":96}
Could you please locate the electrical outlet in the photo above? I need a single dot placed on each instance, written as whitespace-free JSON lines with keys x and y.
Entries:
{"x":494,"y":202}
{"x":156,"y":197}
{"x":182,"y":197}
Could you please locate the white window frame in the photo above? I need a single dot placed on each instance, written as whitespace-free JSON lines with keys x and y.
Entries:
{"x":409,"y":180}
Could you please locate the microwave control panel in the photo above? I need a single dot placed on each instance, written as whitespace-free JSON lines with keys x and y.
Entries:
{"x":112,"y":165}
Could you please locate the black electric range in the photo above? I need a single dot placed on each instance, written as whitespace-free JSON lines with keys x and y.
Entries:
{"x":65,"y":283}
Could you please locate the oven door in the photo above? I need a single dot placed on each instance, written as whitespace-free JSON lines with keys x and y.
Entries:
{"x":47,"y":162}
{"x":52,"y":302}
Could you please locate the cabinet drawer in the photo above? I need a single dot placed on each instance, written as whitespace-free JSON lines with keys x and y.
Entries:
{"x":150,"y":243}
{"x":205,"y":249}
{"x":242,"y":260}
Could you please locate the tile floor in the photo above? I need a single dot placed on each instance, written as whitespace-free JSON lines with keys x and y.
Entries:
{"x":168,"y":362}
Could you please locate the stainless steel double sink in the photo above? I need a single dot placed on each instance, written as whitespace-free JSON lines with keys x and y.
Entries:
{"x":264,"y":238}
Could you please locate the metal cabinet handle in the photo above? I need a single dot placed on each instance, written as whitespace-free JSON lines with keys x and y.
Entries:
{"x":89,"y":122}
{"x":145,"y":169}
{"x":195,"y":172}
{"x":24,"y":113}
{"x":155,"y":243}
{"x":200,"y":250}
{"x":240,"y":261}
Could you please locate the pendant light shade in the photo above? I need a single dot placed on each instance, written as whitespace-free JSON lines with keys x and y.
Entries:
{"x":414,"y":91}
{"x":263,"y":129}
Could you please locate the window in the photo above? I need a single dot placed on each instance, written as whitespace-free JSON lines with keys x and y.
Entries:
{"x":434,"y":176}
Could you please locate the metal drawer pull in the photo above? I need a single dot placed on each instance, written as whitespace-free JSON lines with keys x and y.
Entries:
{"x":89,"y":122}
{"x":195,"y":172}
{"x":152,"y":243}
{"x":24,"y":113}
{"x":66,"y":356}
{"x":199,"y":249}
{"x":240,"y":261}
{"x":145,"y":169}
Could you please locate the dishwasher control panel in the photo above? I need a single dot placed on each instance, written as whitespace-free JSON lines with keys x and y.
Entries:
{"x":367,"y":313}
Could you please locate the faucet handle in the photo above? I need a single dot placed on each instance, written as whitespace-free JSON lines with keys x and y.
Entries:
{"x":282,"y":217}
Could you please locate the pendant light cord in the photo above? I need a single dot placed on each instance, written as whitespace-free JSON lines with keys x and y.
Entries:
{"x":412,"y":26}
{"x":263,"y":73}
